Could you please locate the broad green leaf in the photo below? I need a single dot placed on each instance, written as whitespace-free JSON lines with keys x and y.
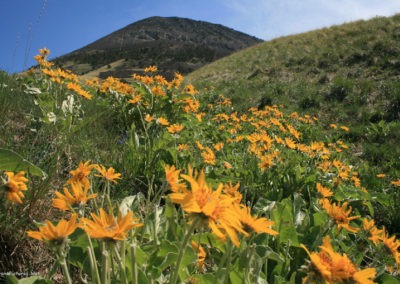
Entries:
{"x":388,"y":279}
{"x":235,"y":277}
{"x":267,"y":252}
{"x":11,"y":161}
{"x":282,"y":215}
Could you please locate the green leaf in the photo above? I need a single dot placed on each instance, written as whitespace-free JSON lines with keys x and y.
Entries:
{"x":11,"y":161}
{"x":235,"y":277}
{"x":388,"y":279}
{"x":282,"y":215}
{"x":267,"y":252}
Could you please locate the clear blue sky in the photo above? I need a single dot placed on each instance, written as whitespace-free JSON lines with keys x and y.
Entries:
{"x":66,"y":25}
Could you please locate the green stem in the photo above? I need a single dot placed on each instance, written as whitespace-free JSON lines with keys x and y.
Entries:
{"x":93,"y":265}
{"x":121,"y":262}
{"x":134,"y":265}
{"x":104,"y":264}
{"x":224,"y":259}
{"x":63,"y":263}
{"x":64,"y":267}
{"x":182,"y":249}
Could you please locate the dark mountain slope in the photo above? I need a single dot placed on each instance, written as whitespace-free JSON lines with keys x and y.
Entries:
{"x":173,"y":44}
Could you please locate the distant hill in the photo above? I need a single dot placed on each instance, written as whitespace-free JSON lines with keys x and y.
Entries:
{"x":173,"y":44}
{"x":347,"y":74}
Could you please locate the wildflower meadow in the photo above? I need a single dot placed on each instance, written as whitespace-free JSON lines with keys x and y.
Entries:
{"x":183,"y":188}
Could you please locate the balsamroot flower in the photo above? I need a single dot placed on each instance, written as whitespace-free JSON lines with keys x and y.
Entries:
{"x":163,"y":121}
{"x":174,"y":182}
{"x":324,"y":191}
{"x":254,"y":224}
{"x":212,"y":208}
{"x":333,"y":267}
{"x":175,"y":128}
{"x":105,"y":226}
{"x":52,"y":233}
{"x":68,"y":200}
{"x":340,"y":214}
{"x":14,"y":185}
{"x":109,"y":174}
{"x":209,"y":156}
{"x":80,"y":175}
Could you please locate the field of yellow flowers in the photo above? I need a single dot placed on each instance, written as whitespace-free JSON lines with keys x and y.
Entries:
{"x":205,"y":194}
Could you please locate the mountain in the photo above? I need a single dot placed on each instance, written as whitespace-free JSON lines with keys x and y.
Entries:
{"x":346,"y":74}
{"x":172,"y":44}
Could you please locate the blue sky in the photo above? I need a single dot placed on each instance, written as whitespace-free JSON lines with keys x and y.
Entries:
{"x":66,"y":25}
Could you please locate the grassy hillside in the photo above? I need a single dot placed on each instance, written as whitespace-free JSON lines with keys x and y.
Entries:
{"x":347,"y":74}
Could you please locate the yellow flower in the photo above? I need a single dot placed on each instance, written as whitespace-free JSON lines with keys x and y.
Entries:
{"x":290,"y":143}
{"x":78,"y":89}
{"x":254,"y":224}
{"x":175,"y":128}
{"x":397,"y":183}
{"x":393,"y":245}
{"x":183,"y":147}
{"x":345,"y":128}
{"x":324,"y":191}
{"x":158,"y":91}
{"x":333,"y":267}
{"x":80,"y":174}
{"x":135,"y":99}
{"x":191,"y":90}
{"x":218,"y":146}
{"x":233,"y":191}
{"x":332,"y":125}
{"x":227,"y":165}
{"x":201,"y":254}
{"x":199,"y":145}
{"x":199,"y":116}
{"x":340,"y":214}
{"x":150,"y":69}
{"x":67,"y":200}
{"x":14,"y":185}
{"x":174,"y":182}
{"x":61,"y":231}
{"x":105,"y":226}
{"x":380,"y":175}
{"x":364,"y":276}
{"x":212,"y":208}
{"x":148,"y":118}
{"x":108,"y":174}
{"x":163,"y":121}
{"x":208,"y":156}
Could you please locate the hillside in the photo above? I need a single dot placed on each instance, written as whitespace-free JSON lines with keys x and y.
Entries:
{"x":345,"y":74}
{"x":173,"y":44}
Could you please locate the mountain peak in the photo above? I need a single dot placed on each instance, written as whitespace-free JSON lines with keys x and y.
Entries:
{"x":174,"y":44}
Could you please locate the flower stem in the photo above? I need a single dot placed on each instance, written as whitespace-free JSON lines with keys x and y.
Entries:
{"x":61,"y":259}
{"x":224,"y":259}
{"x":133,"y":263}
{"x":93,"y":265}
{"x":104,"y":264}
{"x":182,"y":249}
{"x":121,"y":262}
